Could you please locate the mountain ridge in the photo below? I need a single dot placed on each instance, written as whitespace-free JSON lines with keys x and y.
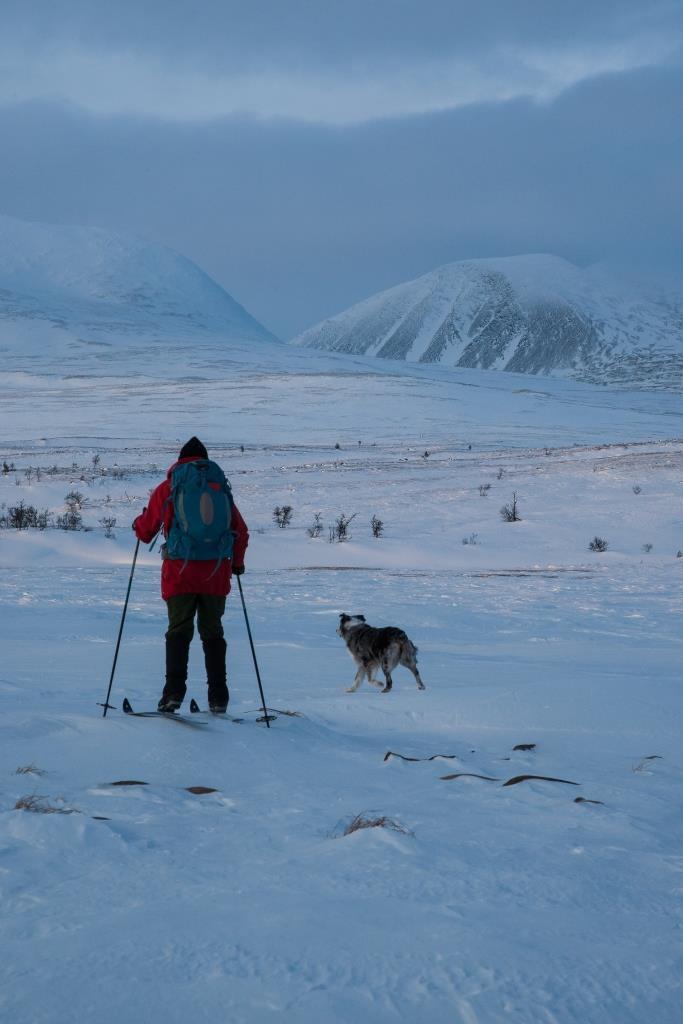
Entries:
{"x":535,"y":313}
{"x":87,"y":277}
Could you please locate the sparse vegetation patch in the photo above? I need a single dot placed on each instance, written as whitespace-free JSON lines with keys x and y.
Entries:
{"x":362,"y":821}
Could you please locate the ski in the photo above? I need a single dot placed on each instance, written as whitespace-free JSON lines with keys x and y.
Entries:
{"x":173,"y":715}
{"x":196,"y":710}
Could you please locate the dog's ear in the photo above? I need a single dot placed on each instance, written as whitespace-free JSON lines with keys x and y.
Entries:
{"x":344,"y":617}
{"x":361,"y":617}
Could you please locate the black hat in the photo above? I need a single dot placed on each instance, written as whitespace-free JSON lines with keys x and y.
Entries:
{"x":193,"y":449}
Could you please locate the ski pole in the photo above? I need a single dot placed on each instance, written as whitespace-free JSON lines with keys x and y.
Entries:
{"x":266,"y":717}
{"x":106,"y":704}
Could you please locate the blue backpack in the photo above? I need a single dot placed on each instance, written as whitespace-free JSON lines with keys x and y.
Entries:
{"x":202,"y":514}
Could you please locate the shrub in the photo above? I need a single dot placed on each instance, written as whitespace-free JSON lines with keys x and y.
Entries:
{"x":647,"y":548}
{"x":472,"y":539}
{"x":282,"y":515}
{"x":70,"y":520}
{"x":510,"y":513}
{"x":25,"y":517}
{"x":317,"y":528}
{"x":75,"y":500}
{"x":377,"y":526}
{"x":340,"y":531}
{"x":108,"y":522}
{"x":484,"y":489}
{"x":637,"y":489}
{"x":598,"y":544}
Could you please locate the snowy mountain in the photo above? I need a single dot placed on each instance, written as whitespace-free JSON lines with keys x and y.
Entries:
{"x":532,"y":314}
{"x":90,"y":285}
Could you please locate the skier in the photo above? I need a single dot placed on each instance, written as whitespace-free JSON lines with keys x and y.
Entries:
{"x":191,"y":585}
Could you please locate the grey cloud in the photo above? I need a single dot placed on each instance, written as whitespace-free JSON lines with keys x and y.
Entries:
{"x":300,"y":221}
{"x":314,"y":33}
{"x":326,"y":62}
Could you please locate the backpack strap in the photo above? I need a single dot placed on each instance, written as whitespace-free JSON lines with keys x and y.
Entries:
{"x":163,"y":513}
{"x":223,"y":558}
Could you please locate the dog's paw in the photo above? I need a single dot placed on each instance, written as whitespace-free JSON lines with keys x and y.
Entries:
{"x":350,"y":689}
{"x":385,"y":689}
{"x":421,"y":686}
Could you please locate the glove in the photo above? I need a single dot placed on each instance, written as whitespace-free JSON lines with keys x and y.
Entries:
{"x":238,"y":570}
{"x":132,"y":525}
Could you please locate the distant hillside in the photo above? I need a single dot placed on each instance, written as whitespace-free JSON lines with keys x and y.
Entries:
{"x":98,"y":284}
{"x":531,"y":314}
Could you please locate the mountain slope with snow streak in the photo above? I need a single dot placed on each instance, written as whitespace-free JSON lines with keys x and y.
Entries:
{"x":530,"y":314}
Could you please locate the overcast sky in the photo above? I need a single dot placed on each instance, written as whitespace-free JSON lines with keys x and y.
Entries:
{"x":308,"y":153}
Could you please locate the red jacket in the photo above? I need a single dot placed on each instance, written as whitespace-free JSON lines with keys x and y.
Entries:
{"x":192,"y":577}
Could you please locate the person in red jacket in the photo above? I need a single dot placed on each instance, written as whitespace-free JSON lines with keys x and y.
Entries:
{"x":192,"y":588}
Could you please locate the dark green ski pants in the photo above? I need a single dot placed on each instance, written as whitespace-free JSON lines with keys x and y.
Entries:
{"x":182,"y":609}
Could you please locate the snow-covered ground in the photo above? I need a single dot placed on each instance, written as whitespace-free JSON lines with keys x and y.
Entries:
{"x":486,"y":902}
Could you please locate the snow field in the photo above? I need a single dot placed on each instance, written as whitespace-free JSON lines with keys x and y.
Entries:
{"x":432,"y":506}
{"x":249,"y":904}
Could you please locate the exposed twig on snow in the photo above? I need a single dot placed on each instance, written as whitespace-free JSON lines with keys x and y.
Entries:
{"x":642,"y":764}
{"x":468,"y":775}
{"x":39,"y":805}
{"x":29,"y":769}
{"x":361,"y":822}
{"x":542,"y":778}
{"x":434,"y":757}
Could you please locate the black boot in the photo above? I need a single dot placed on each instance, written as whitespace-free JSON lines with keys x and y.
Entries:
{"x":214,"y":659}
{"x":177,"y":654}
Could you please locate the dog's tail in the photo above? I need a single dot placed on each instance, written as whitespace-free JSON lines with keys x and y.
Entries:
{"x":408,"y":649}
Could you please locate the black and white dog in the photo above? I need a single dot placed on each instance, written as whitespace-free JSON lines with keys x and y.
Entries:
{"x":372,"y":649}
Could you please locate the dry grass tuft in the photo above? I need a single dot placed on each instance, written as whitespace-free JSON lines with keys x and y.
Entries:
{"x":41,"y":805}
{"x":361,"y":822}
{"x":645,"y":762}
{"x":29,"y":769}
